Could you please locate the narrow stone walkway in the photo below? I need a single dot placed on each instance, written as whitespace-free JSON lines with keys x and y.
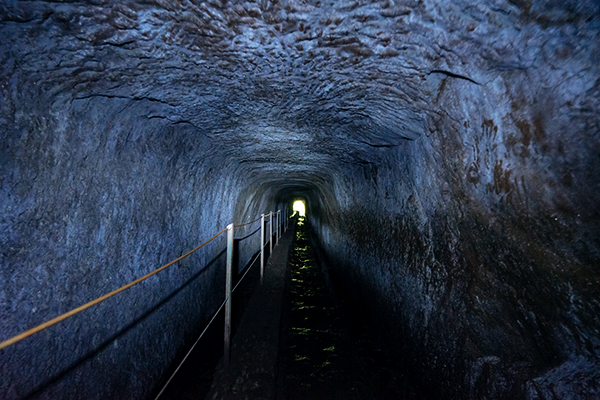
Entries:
{"x":252,"y":369}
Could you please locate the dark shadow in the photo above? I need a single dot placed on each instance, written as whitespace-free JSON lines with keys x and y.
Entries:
{"x":248,"y":235}
{"x":195,"y":378}
{"x":120,"y":333}
{"x":391,"y":377}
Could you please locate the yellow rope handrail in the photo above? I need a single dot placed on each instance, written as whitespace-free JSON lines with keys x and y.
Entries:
{"x":247,"y":223}
{"x":68,"y":314}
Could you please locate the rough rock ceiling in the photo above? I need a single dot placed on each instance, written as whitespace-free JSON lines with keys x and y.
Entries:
{"x":290,"y":84}
{"x":293,"y":88}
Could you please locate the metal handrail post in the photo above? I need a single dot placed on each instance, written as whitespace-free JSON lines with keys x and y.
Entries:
{"x":228,"y":281}
{"x":271,"y":234}
{"x":262,"y":247}
{"x":278,"y":225}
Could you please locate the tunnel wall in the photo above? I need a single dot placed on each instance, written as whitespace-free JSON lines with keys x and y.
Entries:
{"x":475,"y":247}
{"x":95,"y":194}
{"x":472,"y":244}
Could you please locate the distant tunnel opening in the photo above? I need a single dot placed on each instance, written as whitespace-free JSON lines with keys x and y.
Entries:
{"x":299,"y":207}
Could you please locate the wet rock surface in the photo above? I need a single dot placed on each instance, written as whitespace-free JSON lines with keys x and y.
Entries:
{"x":447,"y":152}
{"x":318,"y":359}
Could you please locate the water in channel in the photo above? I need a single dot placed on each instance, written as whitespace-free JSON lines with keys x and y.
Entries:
{"x":318,"y":359}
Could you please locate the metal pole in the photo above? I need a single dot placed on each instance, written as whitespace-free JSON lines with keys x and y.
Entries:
{"x":271,"y":234}
{"x":228,"y":278}
{"x":262,"y":247}
{"x":278,"y":225}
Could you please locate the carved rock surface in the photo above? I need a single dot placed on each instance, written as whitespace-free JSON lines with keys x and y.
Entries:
{"x":448,"y":153}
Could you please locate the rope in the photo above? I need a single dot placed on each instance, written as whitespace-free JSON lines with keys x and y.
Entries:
{"x":189,"y":352}
{"x":247,"y":270}
{"x":247,"y":223}
{"x":210,"y":322}
{"x":248,"y":235}
{"x":205,"y":329}
{"x":66,"y":315}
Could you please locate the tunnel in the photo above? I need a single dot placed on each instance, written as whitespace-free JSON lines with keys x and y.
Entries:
{"x":448,"y":154}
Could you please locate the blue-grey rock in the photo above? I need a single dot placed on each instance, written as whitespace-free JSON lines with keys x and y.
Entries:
{"x":448,"y":153}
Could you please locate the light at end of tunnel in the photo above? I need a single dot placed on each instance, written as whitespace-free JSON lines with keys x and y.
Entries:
{"x":299,"y":206}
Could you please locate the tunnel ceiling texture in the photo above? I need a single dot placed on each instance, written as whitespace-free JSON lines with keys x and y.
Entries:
{"x":448,"y":153}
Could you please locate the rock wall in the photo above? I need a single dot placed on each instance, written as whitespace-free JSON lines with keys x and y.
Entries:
{"x":447,"y":151}
{"x":95,"y":194}
{"x":476,"y":246}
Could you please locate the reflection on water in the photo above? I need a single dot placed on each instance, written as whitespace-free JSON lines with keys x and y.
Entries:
{"x":319,"y":362}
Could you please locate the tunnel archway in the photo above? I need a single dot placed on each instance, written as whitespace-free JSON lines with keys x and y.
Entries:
{"x":299,"y":207}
